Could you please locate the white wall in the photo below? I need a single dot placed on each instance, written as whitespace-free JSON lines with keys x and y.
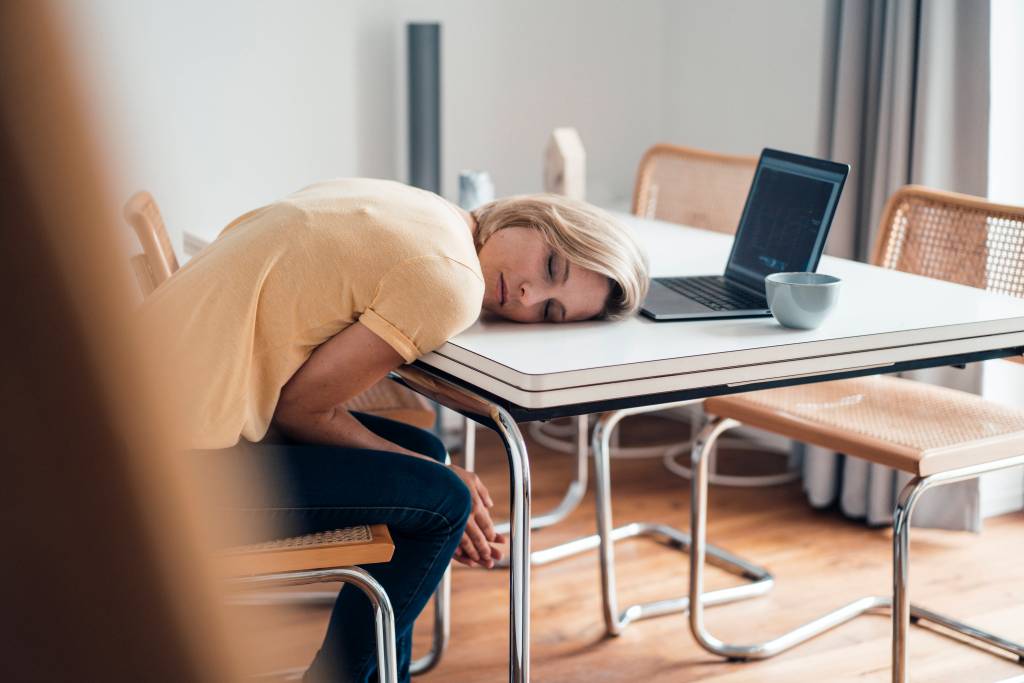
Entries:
{"x":1006,"y":110}
{"x":217,"y":107}
{"x":744,"y":75}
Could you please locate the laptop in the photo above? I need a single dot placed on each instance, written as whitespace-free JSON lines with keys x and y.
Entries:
{"x":785,"y":221}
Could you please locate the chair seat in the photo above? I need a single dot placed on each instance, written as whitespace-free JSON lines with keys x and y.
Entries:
{"x":912,"y":426}
{"x":395,"y":402}
{"x":338,"y":548}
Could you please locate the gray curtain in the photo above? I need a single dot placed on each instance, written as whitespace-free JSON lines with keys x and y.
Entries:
{"x":909,"y":104}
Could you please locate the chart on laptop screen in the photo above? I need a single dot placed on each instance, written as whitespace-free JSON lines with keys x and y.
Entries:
{"x":783,"y":220}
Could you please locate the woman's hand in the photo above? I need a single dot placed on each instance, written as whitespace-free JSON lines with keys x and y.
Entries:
{"x":481,"y":545}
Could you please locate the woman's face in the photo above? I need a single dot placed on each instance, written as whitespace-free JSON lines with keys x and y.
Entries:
{"x":527,"y":281}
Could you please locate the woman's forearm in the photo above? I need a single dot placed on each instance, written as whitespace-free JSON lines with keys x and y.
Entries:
{"x":337,"y":427}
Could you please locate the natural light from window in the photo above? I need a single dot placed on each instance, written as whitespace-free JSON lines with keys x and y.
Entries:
{"x":1003,"y":382}
{"x":1006,"y":117}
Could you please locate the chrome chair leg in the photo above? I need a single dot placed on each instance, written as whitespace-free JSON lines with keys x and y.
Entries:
{"x":441,"y":628}
{"x":440,"y":634}
{"x":469,"y":404}
{"x":469,"y":444}
{"x":384,"y":615}
{"x":902,"y":611}
{"x":570,"y":501}
{"x":760,"y":579}
{"x":441,"y":631}
{"x":519,"y":559}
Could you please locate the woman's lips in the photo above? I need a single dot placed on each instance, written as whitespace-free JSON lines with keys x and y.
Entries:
{"x":501,"y":290}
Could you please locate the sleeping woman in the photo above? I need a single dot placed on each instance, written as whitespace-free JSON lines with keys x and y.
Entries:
{"x":301,"y":305}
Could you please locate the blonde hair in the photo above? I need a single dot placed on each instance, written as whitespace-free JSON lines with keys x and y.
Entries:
{"x":583,"y":234}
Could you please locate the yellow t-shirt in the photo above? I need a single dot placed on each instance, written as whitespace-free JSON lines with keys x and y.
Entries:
{"x":241,"y":317}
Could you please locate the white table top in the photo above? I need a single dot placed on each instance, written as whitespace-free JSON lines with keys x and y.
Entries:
{"x":883,"y":317}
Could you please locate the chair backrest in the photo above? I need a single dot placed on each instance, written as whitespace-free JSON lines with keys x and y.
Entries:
{"x":955,"y":237}
{"x":693,"y":187}
{"x":157,"y":256}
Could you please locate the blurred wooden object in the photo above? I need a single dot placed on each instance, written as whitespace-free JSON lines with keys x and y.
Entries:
{"x":143,"y":275}
{"x":108,"y":579}
{"x":565,"y":164}
{"x":693,"y":187}
{"x":157,"y":263}
{"x":142,"y":214}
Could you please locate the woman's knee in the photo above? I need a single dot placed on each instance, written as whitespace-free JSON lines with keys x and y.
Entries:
{"x":434,"y":499}
{"x":428,"y":444}
{"x":457,"y":500}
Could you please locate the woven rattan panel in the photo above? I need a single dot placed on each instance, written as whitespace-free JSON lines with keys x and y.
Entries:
{"x":939,"y":237}
{"x":347,"y":536}
{"x":699,"y":190}
{"x":911,"y":414}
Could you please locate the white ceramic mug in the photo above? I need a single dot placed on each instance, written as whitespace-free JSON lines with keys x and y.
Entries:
{"x":801,"y":300}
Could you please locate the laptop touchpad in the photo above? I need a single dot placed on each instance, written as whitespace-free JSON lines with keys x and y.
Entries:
{"x":661,"y":299}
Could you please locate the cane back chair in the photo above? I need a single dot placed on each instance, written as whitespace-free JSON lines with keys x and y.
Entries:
{"x":693,"y":187}
{"x":937,"y":435}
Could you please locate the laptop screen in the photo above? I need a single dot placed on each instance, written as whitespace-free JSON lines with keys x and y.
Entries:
{"x":787,"y":216}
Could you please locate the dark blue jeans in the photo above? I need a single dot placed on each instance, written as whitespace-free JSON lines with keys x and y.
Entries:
{"x":319,"y":488}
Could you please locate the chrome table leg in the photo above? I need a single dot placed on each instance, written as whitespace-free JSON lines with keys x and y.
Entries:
{"x":573,"y":495}
{"x":469,"y":404}
{"x":570,"y":501}
{"x":577,"y":487}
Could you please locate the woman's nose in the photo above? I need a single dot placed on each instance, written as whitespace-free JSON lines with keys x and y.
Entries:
{"x":528,"y":294}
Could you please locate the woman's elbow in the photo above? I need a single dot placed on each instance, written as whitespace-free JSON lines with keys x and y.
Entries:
{"x":295,"y":417}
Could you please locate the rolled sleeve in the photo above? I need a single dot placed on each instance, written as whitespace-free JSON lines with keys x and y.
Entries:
{"x":423,"y":302}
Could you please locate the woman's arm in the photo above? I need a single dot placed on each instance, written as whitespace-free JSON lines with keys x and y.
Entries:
{"x":311,"y":405}
{"x":311,"y":409}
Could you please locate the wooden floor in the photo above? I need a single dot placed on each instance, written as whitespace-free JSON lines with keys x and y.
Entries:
{"x":820,"y":561}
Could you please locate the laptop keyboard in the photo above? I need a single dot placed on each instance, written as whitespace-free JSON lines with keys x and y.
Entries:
{"x":715,"y":292}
